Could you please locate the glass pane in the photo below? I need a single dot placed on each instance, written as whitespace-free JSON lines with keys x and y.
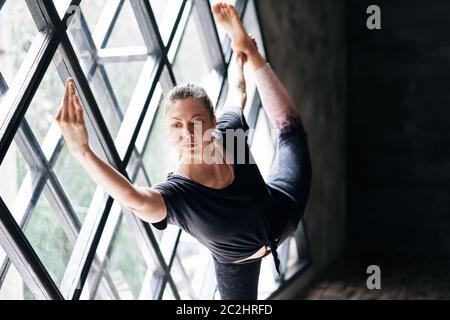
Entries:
{"x":13,"y":287}
{"x":158,"y":166}
{"x":76,"y":183}
{"x":168,"y":293}
{"x":124,"y":77}
{"x":113,"y":82}
{"x":262,"y":146}
{"x":293,"y":258}
{"x":42,"y":110}
{"x":49,"y":239}
{"x":61,"y":6}
{"x":17,"y":31}
{"x":198,"y":266}
{"x":125,"y":263}
{"x":13,"y":171}
{"x":91,"y":11}
{"x":102,"y":292}
{"x":128,"y":269}
{"x":190,"y":63}
{"x":165,"y":12}
{"x":179,"y":276}
{"x":252,"y":26}
{"x":103,"y":96}
{"x":267,"y":283}
{"x":126,"y":32}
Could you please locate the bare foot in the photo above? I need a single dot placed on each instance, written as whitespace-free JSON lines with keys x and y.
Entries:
{"x":228,"y":18}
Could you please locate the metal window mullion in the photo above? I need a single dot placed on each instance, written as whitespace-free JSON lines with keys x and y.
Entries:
{"x":241,"y":6}
{"x":24,"y":209}
{"x":151,"y":241}
{"x":155,"y":76}
{"x":85,"y":42}
{"x":183,"y":10}
{"x":25,"y":259}
{"x":127,"y":54}
{"x":166,"y":84}
{"x":21,"y":96}
{"x":30,"y":146}
{"x":106,"y":22}
{"x":41,"y":17}
{"x":208,"y":33}
{"x":62,"y":206}
{"x":58,"y":200}
{"x":53,"y":189}
{"x":109,"y":93}
{"x":148,"y":26}
{"x":86,"y":95}
{"x":138,"y":107}
{"x":107,"y":239}
{"x":102,"y":136}
{"x":185,"y":278}
{"x":253,"y":116}
{"x":171,"y":260}
{"x":3,"y":85}
{"x":74,"y":285}
{"x":147,"y":250}
{"x":84,"y":251}
{"x":109,"y":242}
{"x":107,"y":280}
{"x":177,"y":34}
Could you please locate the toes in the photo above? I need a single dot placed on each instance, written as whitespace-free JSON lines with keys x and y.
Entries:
{"x":216,"y":8}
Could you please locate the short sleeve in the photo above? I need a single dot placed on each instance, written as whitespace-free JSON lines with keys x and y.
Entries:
{"x":170,"y":197}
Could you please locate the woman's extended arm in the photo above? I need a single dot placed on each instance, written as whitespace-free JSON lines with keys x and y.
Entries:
{"x":146,"y":203}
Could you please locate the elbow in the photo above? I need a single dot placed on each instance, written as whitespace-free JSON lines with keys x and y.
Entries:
{"x":134,"y":200}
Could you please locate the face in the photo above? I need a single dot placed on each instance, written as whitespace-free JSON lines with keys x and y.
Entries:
{"x":189,"y":126}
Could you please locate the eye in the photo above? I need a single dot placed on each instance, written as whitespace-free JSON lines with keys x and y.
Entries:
{"x":177,"y":125}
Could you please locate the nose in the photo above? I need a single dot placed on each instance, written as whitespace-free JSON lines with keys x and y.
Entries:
{"x":188,"y":134}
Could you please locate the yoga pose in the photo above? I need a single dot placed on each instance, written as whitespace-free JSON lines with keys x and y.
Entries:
{"x":225,"y":204}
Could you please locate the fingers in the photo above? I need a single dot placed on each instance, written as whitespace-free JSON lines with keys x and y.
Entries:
{"x":78,"y":110}
{"x":61,"y":114}
{"x":70,"y":107}
{"x":70,"y":110}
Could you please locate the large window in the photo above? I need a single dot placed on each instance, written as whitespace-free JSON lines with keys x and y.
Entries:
{"x":61,"y":236}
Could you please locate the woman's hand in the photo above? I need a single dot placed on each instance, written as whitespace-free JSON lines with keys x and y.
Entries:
{"x":71,"y":122}
{"x":146,"y":203}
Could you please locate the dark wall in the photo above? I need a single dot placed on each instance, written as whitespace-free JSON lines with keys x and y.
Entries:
{"x":398,"y":141}
{"x":305,"y":41}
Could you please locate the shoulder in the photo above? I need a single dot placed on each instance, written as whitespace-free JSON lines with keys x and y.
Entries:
{"x":231,"y":117}
{"x":171,"y":191}
{"x":169,"y":187}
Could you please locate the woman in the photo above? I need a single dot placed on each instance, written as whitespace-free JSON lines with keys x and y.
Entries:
{"x":216,"y":193}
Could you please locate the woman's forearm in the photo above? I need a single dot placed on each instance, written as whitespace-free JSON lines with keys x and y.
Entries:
{"x":112,"y":181}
